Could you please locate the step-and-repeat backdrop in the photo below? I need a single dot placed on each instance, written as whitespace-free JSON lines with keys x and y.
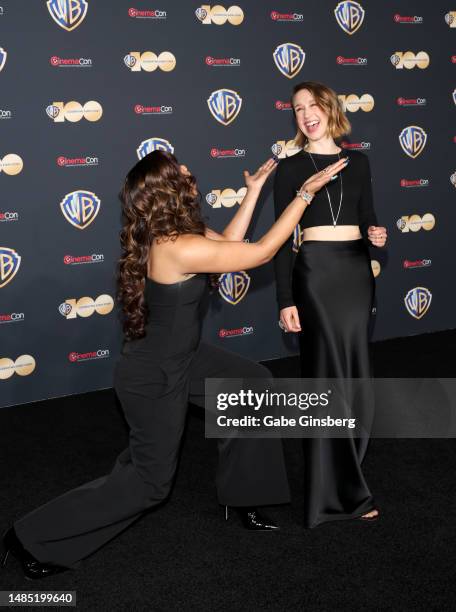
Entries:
{"x":89,"y":86}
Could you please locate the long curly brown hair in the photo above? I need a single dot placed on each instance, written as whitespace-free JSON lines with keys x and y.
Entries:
{"x":159,"y":202}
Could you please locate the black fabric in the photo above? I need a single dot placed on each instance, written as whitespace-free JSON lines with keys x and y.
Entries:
{"x":333,"y":288}
{"x":184,"y":556}
{"x":357,"y":204}
{"x":154,"y":380}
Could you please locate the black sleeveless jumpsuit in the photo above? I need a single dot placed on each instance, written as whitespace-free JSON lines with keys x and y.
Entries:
{"x":155,"y":378}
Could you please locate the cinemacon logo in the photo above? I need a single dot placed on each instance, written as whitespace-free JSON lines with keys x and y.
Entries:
{"x":8,"y":216}
{"x":351,"y":61}
{"x":222,"y":153}
{"x":78,"y":62}
{"x":419,"y":263}
{"x":411,"y":101}
{"x":72,"y":260}
{"x":65,"y":162}
{"x":140,"y":109}
{"x":414,"y":182}
{"x":90,"y":356}
{"x":279,"y":105}
{"x":146,"y":14}
{"x":275,"y":16}
{"x":12,"y":317}
{"x":231,"y":333}
{"x":222,"y":61}
{"x":417,"y":19}
{"x":355,"y":146}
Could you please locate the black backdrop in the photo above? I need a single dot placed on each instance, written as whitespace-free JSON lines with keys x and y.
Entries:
{"x":78,"y":51}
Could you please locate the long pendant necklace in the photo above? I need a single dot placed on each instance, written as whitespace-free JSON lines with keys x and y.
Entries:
{"x":334,"y":219}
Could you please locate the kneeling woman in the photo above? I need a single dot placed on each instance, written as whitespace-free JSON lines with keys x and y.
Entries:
{"x":325,"y":292}
{"x":167,"y":253}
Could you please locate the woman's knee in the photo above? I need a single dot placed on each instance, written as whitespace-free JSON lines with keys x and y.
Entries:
{"x":156,"y":493}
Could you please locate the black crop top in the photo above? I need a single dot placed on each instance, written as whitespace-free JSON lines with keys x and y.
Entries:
{"x":357,"y":204}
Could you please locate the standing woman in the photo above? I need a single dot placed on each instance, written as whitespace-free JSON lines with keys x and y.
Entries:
{"x":167,"y":253}
{"x":325,"y":291}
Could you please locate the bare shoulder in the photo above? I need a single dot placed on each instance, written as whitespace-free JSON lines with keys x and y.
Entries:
{"x":187,"y":244}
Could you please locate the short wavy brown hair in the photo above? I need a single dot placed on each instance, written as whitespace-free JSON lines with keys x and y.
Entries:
{"x":326,"y":98}
{"x":159,"y":202}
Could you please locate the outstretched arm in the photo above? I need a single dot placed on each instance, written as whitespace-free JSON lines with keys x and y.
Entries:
{"x":194,"y":253}
{"x":237,"y":227}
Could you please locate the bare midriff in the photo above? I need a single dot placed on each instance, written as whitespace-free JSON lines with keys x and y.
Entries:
{"x":329,"y":232}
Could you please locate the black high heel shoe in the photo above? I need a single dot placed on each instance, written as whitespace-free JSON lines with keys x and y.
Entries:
{"x":253,"y":520}
{"x":32,"y":568}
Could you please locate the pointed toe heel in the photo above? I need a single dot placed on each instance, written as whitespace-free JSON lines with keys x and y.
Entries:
{"x":253,"y":520}
{"x":32,"y":568}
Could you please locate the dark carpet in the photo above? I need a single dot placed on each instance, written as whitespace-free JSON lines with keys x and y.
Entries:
{"x":183,"y":556}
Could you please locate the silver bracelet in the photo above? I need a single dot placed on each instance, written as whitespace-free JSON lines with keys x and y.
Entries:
{"x":305,"y":195}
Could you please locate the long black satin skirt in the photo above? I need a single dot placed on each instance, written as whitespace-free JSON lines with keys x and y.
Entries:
{"x":333,"y":288}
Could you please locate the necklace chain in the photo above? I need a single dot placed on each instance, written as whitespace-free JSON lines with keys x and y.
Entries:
{"x":334,"y":219}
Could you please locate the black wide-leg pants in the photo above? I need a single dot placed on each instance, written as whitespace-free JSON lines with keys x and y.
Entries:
{"x":333,"y":289}
{"x":251,"y":472}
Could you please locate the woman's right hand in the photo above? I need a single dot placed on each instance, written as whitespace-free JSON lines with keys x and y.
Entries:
{"x":318,"y":180}
{"x":257,"y":180}
{"x":289,"y":319}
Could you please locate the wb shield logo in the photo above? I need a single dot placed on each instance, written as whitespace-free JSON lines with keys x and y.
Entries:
{"x":289,"y":59}
{"x":130,"y":61}
{"x":224,"y":105}
{"x":68,"y":14}
{"x":153,"y":144}
{"x":9,"y":265}
{"x":3,"y":56}
{"x":233,"y":286}
{"x":413,"y":139}
{"x":349,"y":15}
{"x":201,"y":13}
{"x":80,"y":208}
{"x":417,"y":301}
{"x":52,"y":111}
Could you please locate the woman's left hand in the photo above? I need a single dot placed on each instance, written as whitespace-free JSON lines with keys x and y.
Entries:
{"x":257,"y":180}
{"x":377,"y":235}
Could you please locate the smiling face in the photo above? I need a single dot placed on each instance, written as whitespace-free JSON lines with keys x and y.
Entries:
{"x":310,"y":118}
